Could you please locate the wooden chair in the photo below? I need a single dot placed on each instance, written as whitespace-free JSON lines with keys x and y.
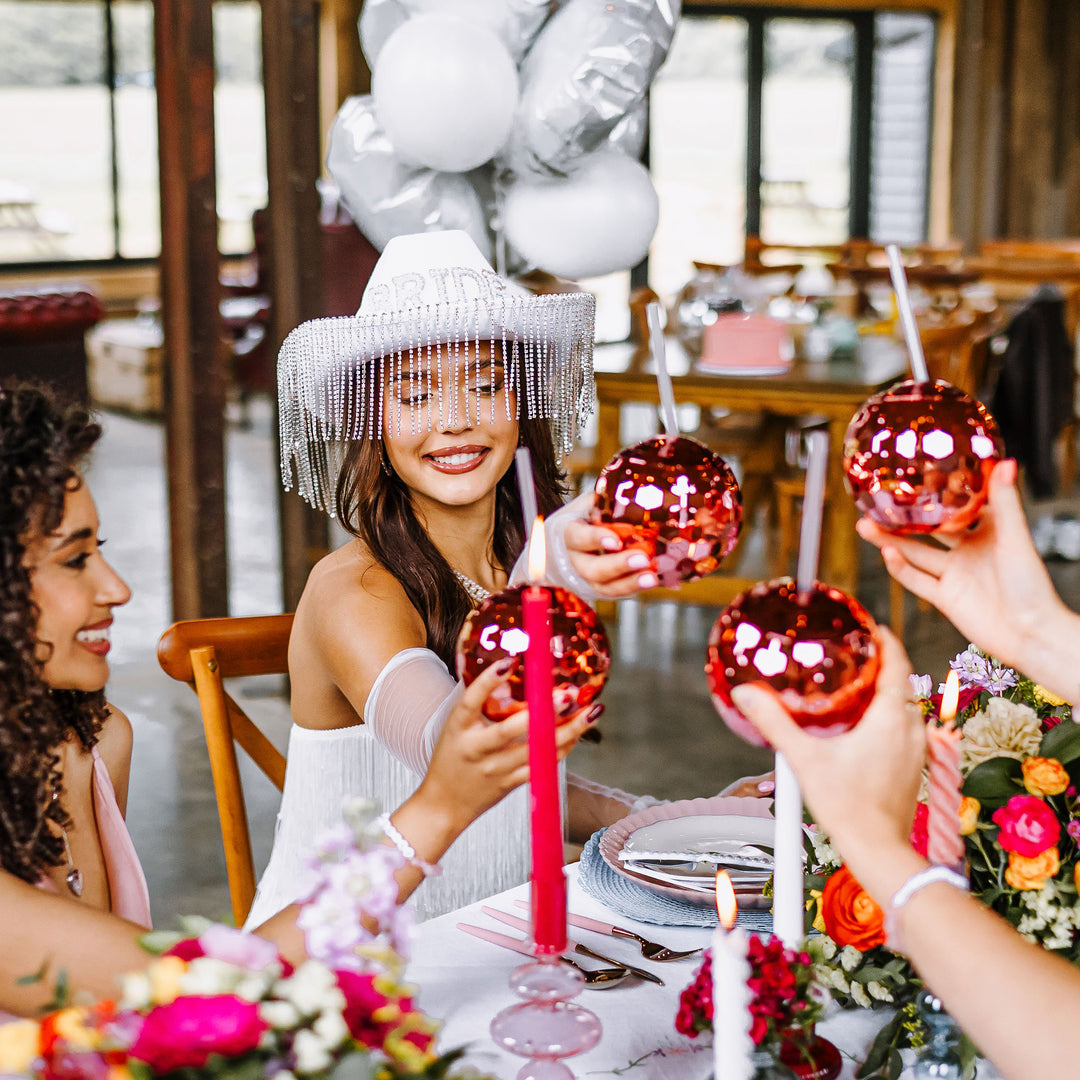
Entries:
{"x":203,"y":652}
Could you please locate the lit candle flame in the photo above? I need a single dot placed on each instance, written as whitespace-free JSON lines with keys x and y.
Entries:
{"x":727,"y":908}
{"x":950,"y":698}
{"x":537,"y":553}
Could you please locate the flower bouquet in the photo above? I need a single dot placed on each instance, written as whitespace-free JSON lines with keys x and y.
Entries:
{"x":786,"y":1002}
{"x":219,"y":1003}
{"x":1020,"y":816}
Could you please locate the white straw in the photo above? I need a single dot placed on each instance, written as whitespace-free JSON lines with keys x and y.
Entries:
{"x":812,"y":507}
{"x":907,"y":316}
{"x":527,"y":487}
{"x":663,"y":377}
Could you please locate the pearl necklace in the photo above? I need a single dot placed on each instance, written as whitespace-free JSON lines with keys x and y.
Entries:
{"x":476,"y":592}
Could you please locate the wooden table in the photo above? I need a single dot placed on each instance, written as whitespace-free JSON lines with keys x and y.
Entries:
{"x":834,"y":389}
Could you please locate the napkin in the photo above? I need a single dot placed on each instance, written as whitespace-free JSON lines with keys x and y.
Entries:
{"x":622,"y":895}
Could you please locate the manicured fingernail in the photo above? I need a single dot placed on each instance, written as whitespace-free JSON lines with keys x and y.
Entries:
{"x":766,"y":787}
{"x":648,"y":581}
{"x":637,"y":561}
{"x":504,"y":667}
{"x":746,"y":698}
{"x":611,"y":543}
{"x":594,"y":714}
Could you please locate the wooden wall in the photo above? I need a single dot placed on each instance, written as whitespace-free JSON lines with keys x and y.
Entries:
{"x":1016,"y":120}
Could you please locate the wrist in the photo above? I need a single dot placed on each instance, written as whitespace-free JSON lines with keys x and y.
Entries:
{"x":431,"y":820}
{"x":1046,"y":648}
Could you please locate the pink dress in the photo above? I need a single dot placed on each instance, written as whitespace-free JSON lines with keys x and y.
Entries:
{"x":127,"y":885}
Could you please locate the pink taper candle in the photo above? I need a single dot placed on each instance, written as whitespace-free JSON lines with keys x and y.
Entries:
{"x":548,"y":876}
{"x":945,"y":845}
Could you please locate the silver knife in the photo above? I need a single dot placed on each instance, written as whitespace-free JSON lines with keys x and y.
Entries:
{"x":523,"y":924}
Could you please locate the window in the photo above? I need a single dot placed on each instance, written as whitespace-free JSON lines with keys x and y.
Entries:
{"x":78,"y":124}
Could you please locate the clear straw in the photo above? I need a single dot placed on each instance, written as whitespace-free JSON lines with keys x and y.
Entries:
{"x":907,"y":316}
{"x":812,"y":507}
{"x":663,"y":377}
{"x":527,"y":487}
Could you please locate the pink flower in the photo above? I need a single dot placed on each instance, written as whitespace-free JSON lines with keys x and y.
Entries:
{"x":1073,"y":829}
{"x":188,"y":949}
{"x":186,"y":1032}
{"x":919,"y":835}
{"x":1028,"y":826}
{"x":247,"y":951}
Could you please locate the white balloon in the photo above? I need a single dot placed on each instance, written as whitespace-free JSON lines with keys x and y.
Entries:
{"x":445,"y":92}
{"x":599,"y":219}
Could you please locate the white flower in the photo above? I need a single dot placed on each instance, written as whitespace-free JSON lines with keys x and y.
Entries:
{"x":253,"y":987}
{"x":312,"y":1054}
{"x":312,"y":988}
{"x":862,"y":998}
{"x":206,"y":976}
{"x":922,"y":686}
{"x":878,"y":992}
{"x":282,"y":1015}
{"x":1004,"y":729}
{"x":825,"y":855}
{"x":135,"y":990}
{"x":836,"y":978}
{"x":850,"y":958}
{"x":828,"y":948}
{"x":284,"y":1074}
{"x":331,"y":1028}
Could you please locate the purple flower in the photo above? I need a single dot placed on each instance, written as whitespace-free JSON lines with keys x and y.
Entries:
{"x":974,"y":669}
{"x":922,"y":686}
{"x":248,"y":951}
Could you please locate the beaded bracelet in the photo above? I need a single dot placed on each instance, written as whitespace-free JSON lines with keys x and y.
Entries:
{"x":929,"y":875}
{"x":406,"y":850}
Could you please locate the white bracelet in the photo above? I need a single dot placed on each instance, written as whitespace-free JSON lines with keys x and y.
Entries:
{"x":929,"y":875}
{"x":405,"y":849}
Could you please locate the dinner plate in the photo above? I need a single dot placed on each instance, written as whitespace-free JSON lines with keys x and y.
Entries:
{"x":742,"y":372}
{"x":727,"y":813}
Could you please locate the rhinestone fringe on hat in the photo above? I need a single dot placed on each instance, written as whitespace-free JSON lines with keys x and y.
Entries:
{"x":331,"y":375}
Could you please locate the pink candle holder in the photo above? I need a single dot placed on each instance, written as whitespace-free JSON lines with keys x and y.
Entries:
{"x":918,"y":457}
{"x":546,"y":1026}
{"x":819,"y":650}
{"x":675,"y":500}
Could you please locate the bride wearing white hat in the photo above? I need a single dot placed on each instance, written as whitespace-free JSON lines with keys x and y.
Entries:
{"x":403,"y":422}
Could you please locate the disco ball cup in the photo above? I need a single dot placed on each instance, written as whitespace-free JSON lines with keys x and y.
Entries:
{"x":820,"y":652}
{"x":918,"y":457}
{"x":673,"y":499}
{"x":579,"y":646}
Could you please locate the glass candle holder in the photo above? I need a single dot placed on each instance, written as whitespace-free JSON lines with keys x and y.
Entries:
{"x":918,"y":457}
{"x":820,"y":650}
{"x":579,"y":646}
{"x":674,"y":499}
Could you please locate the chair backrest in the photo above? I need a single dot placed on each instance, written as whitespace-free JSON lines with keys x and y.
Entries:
{"x":948,"y":351}
{"x":203,"y":652}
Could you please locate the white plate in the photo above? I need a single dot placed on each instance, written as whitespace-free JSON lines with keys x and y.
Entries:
{"x":615,"y":838}
{"x":710,"y":837}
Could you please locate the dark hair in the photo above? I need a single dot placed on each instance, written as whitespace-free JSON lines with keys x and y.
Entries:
{"x":41,"y":447}
{"x":373,"y":504}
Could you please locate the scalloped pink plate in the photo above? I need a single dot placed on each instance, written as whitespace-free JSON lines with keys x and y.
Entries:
{"x":614,"y":840}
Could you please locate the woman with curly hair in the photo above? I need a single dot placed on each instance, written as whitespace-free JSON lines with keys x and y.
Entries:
{"x":70,"y":879}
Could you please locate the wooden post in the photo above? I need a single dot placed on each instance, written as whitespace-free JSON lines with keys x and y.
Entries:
{"x":193,"y":350}
{"x":290,"y":37}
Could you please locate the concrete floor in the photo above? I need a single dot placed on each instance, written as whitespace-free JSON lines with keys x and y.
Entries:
{"x":661,"y":734}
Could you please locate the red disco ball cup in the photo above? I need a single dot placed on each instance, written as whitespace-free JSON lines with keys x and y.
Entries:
{"x":579,"y":645}
{"x":673,"y":499}
{"x":819,"y":651}
{"x":918,"y":457}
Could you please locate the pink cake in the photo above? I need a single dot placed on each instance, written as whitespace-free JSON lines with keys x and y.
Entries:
{"x":746,"y":345}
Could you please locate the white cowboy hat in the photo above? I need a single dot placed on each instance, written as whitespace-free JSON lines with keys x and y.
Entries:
{"x":431,"y":299}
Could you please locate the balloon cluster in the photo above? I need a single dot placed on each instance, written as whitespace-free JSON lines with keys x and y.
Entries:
{"x":522,"y":117}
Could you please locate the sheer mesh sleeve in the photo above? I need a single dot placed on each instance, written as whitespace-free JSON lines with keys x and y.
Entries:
{"x":560,"y":570}
{"x":408,"y":705}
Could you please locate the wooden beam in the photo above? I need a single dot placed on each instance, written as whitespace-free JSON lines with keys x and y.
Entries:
{"x":290,"y":38}
{"x":195,"y":375}
{"x":343,"y":71}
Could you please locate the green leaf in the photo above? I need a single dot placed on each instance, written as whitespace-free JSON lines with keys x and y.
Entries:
{"x":1062,"y":742}
{"x":896,"y":1064}
{"x":994,"y":782}
{"x":884,"y":1041}
{"x":38,"y":976}
{"x":157,"y":942}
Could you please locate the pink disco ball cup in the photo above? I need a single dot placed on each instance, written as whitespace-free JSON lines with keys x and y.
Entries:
{"x":820,"y":652}
{"x":918,"y":457}
{"x":579,"y":646}
{"x":675,"y":500}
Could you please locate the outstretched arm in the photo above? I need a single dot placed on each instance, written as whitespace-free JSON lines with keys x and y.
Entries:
{"x":861,"y":788}
{"x":991,"y":584}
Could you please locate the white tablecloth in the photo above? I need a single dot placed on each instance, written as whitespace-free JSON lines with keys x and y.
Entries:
{"x":463,"y":982}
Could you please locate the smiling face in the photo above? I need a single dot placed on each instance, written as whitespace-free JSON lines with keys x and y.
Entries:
{"x":463,"y":456}
{"x":75,"y":590}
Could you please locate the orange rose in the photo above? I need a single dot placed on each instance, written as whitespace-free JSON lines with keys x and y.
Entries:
{"x":851,"y":916}
{"x":1044,"y":776}
{"x":969,"y":815}
{"x":1025,"y":873}
{"x":1076,"y":876}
